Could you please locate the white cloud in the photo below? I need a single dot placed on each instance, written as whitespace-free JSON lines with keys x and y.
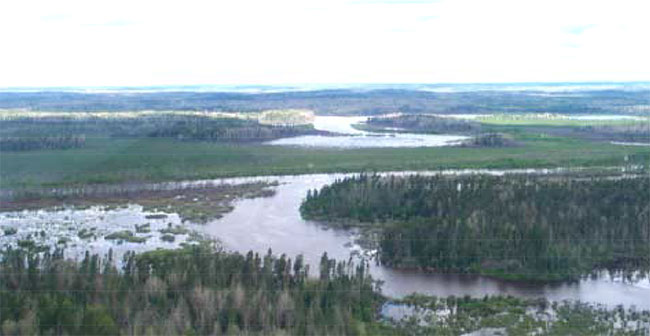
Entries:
{"x":223,"y":42}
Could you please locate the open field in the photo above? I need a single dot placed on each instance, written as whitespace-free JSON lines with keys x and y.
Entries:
{"x":603,"y":128}
{"x":547,"y":119}
{"x":108,"y":160}
{"x":123,"y":147}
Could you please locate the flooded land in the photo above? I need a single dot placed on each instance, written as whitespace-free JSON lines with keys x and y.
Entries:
{"x":167,"y":212}
{"x":334,"y":168}
{"x":274,"y":222}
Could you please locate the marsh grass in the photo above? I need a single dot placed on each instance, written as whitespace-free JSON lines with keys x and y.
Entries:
{"x":196,"y":205}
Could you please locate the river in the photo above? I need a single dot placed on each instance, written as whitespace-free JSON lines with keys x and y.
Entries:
{"x":350,"y":137}
{"x":275,"y":223}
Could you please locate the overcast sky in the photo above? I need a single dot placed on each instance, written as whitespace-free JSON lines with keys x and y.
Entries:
{"x":106,"y":43}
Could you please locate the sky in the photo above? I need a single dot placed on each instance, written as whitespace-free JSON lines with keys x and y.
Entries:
{"x":189,"y":42}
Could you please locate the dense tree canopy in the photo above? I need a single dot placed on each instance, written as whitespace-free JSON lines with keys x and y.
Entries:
{"x":512,"y":226}
{"x":195,"y":291}
{"x":66,"y":131}
{"x":426,"y":124}
{"x":43,"y":142}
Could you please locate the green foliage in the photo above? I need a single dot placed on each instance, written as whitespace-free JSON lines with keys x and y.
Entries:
{"x":125,"y":235}
{"x":62,"y":131}
{"x":368,"y":101}
{"x":548,"y":119}
{"x":176,"y":230}
{"x":515,"y":227}
{"x":113,"y":160}
{"x":168,"y":238}
{"x":35,"y":143}
{"x":490,"y":140}
{"x":97,"y":321}
{"x":9,"y":231}
{"x":513,"y":316}
{"x":196,"y":290}
{"x":424,"y":124}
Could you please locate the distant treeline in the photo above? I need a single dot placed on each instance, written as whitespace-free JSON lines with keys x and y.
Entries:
{"x":228,"y":130}
{"x":511,"y":226}
{"x":425,"y":124}
{"x":439,"y":125}
{"x":192,"y":291}
{"x":639,"y":132}
{"x":46,"y":142}
{"x":490,"y":140}
{"x":65,"y":132}
{"x":342,"y":102}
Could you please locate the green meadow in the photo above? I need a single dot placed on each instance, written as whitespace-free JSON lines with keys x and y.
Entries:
{"x":112,"y":160}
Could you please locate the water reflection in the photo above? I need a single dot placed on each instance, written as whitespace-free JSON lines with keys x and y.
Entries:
{"x":275,"y":222}
{"x":355,"y":138}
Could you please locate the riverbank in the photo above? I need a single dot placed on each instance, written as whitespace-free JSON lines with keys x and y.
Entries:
{"x":274,"y":222}
{"x":107,"y":161}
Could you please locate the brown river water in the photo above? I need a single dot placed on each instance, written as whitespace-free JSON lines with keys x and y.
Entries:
{"x":275,"y":223}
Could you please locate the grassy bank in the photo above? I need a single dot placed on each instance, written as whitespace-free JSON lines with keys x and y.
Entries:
{"x":113,"y":160}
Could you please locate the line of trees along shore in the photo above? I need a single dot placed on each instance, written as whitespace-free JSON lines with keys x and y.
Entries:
{"x":341,"y":101}
{"x":47,"y":142}
{"x":518,"y":227}
{"x":192,"y":291}
{"x":62,"y":132}
{"x":426,"y":124}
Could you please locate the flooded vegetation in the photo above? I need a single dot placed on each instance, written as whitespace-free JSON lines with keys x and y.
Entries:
{"x":135,"y":204}
{"x":104,"y":219}
{"x":274,"y":222}
{"x":96,"y":229}
{"x":340,"y":200}
{"x":423,"y":315}
{"x":196,"y":204}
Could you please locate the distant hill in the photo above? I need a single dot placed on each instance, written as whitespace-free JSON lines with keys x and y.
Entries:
{"x":566,"y":98}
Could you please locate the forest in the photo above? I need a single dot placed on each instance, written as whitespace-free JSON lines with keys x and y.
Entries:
{"x":42,"y":142}
{"x":490,"y":140}
{"x":203,"y":290}
{"x":369,"y":101}
{"x":425,"y":124}
{"x":198,"y":290}
{"x":62,"y":131}
{"x":638,"y":132}
{"x":515,"y":227}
